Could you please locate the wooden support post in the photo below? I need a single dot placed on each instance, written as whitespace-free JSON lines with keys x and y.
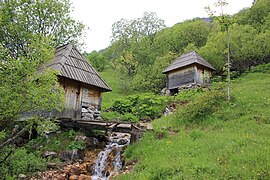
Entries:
{"x":135,"y":134}
{"x":196,"y":74}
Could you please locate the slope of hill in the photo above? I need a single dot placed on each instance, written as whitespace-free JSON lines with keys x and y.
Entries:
{"x":209,"y":138}
{"x":112,"y":78}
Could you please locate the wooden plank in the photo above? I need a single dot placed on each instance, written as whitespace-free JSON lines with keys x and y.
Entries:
{"x":177,"y":80}
{"x":113,"y":125}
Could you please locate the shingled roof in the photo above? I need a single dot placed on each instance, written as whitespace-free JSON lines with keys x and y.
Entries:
{"x":70,"y":63}
{"x":187,"y":59}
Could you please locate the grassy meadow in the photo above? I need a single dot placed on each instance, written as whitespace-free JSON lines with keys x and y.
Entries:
{"x":209,"y":138}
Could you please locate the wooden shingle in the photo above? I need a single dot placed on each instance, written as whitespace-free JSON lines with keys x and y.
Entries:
{"x":70,"y":63}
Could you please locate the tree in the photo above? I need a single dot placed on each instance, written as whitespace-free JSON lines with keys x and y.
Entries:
{"x":133,"y":44}
{"x":176,"y":38}
{"x":225,"y":21}
{"x":23,"y":89}
{"x":151,"y":78}
{"x":29,"y":32}
{"x":97,"y":60}
{"x":257,"y":16}
{"x":23,"y":19}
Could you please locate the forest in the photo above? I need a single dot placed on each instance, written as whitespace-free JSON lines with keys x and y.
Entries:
{"x":205,"y":137}
{"x":142,"y":48}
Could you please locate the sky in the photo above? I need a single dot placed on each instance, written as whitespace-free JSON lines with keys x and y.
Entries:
{"x":99,"y":15}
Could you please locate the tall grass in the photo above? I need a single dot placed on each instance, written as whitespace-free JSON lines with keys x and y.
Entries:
{"x":209,"y":138}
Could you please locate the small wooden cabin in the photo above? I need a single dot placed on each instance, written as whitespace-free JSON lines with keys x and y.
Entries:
{"x":189,"y":68}
{"x":82,"y":84}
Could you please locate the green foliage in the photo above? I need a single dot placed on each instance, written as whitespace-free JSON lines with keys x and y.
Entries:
{"x":142,"y":106}
{"x":257,"y":15}
{"x":115,"y":116}
{"x":51,"y":19}
{"x":45,"y":126}
{"x":97,"y":60}
{"x":22,"y":162}
{"x":151,"y":78}
{"x":197,"y":110}
{"x":109,"y":116}
{"x":55,"y":142}
{"x":71,"y":133}
{"x":129,"y":117}
{"x":230,"y":141}
{"x":264,"y":68}
{"x":79,"y":145}
{"x":23,"y":89}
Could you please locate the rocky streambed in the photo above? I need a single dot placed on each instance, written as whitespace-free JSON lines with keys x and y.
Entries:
{"x":93,"y":163}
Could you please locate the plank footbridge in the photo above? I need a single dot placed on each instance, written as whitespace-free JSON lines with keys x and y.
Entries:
{"x":113,"y":126}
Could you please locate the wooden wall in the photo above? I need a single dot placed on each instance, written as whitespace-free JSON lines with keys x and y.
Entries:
{"x":180,"y":77}
{"x":78,"y":95}
{"x":72,"y":97}
{"x":187,"y":75}
{"x":203,"y":76}
{"x":91,"y":97}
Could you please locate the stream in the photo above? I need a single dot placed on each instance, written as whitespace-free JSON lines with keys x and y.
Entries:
{"x":94,"y":164}
{"x":109,"y":160}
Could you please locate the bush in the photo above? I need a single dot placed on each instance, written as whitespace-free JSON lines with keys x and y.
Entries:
{"x":79,"y":145}
{"x":108,"y":116}
{"x":197,"y":110}
{"x":22,"y":162}
{"x":264,"y":68}
{"x":141,"y":106}
{"x":129,"y":117}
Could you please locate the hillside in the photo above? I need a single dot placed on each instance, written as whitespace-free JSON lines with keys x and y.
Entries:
{"x":112,"y":78}
{"x":209,"y":138}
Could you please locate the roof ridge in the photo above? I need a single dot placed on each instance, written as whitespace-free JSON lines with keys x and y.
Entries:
{"x":66,"y":53}
{"x":187,"y":59}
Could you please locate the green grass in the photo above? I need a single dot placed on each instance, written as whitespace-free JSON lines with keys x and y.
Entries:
{"x":112,"y":79}
{"x":229,"y":141}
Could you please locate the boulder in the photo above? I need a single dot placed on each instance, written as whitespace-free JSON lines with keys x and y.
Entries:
{"x":51,"y":165}
{"x":72,"y":155}
{"x":49,"y":154}
{"x":90,"y":142}
{"x":91,"y":108}
{"x":84,"y":177}
{"x":86,"y":118}
{"x":74,"y":177}
{"x":83,"y":114}
{"x":123,"y":141}
{"x":91,"y":111}
{"x":84,"y":110}
{"x":91,"y":116}
{"x":99,"y":118}
{"x":22,"y":176}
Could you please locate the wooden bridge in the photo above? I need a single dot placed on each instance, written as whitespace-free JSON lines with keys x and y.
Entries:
{"x":114,"y":126}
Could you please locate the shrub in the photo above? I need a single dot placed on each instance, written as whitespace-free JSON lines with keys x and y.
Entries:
{"x":108,"y":116}
{"x":264,"y":68}
{"x":142,"y":106}
{"x":129,"y":117}
{"x":79,"y":145}
{"x":22,"y":162}
{"x":122,"y":106}
{"x":197,"y":110}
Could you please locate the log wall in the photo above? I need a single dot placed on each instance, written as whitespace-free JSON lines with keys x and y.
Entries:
{"x":204,"y":75}
{"x":78,"y":95}
{"x":181,"y":77}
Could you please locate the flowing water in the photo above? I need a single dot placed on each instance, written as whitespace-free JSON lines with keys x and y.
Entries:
{"x":106,"y":165}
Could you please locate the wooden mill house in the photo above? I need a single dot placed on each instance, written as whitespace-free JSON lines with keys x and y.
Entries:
{"x":188,"y":69}
{"x":82,"y":84}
